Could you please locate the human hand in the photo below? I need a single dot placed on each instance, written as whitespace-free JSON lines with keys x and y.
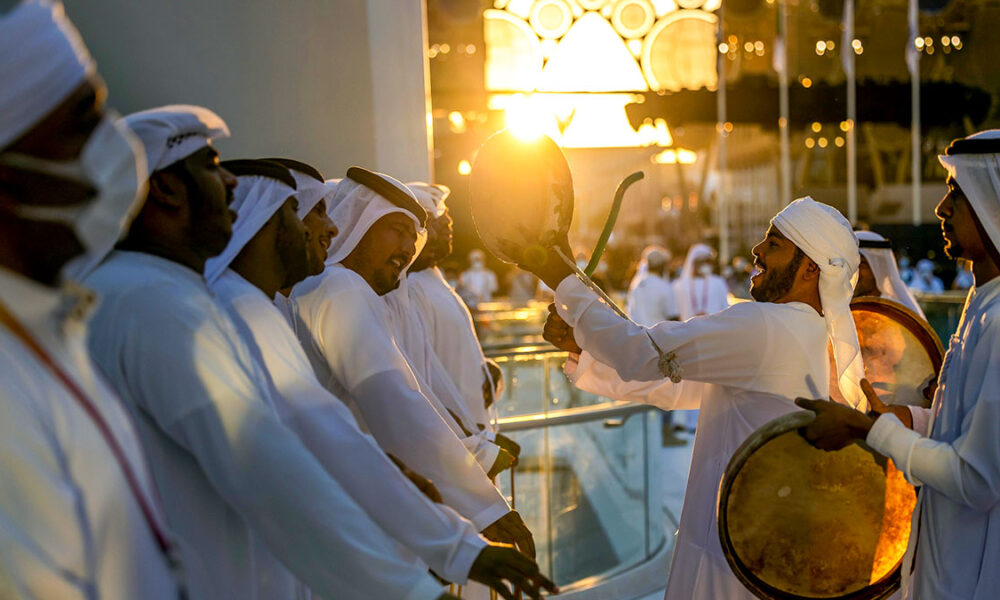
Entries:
{"x":426,"y":486}
{"x":902,"y":413}
{"x":558,"y":333}
{"x":504,"y":461}
{"x":835,"y":425}
{"x":499,"y":563}
{"x":510,"y":529}
{"x":509,"y":445}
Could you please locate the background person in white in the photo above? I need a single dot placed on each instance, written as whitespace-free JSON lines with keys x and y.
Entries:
{"x":448,"y":322}
{"x":250,"y":501}
{"x":346,"y":330}
{"x":742,"y":366}
{"x":650,"y":295}
{"x":878,"y":274}
{"x":277,"y":256}
{"x":953,"y":451}
{"x":477,"y":283}
{"x":71,"y":526}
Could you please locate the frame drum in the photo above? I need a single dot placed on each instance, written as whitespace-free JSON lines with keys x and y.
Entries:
{"x":901,"y":352}
{"x":521,"y":197}
{"x":796,"y":522}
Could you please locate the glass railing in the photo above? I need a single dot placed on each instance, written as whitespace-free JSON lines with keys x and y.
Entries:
{"x":942,"y":311}
{"x":587,"y":482}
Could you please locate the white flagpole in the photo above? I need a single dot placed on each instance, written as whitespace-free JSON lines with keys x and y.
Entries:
{"x":781,"y":66}
{"x":848,"y":57}
{"x":913,"y":63}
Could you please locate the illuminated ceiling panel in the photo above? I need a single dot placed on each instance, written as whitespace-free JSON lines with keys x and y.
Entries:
{"x":679,"y":52}
{"x":592,"y":58}
{"x":513,"y":52}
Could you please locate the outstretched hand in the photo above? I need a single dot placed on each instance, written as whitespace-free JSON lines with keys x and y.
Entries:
{"x":500,"y":563}
{"x":504,"y":461}
{"x":558,"y":333}
{"x":837,"y":425}
{"x":510,"y":529}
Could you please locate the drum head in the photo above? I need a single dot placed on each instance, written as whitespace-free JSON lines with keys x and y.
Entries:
{"x":901,"y":352}
{"x":521,"y":196}
{"x":796,"y":522}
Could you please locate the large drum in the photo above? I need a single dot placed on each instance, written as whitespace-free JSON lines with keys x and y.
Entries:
{"x":796,"y":522}
{"x":521,"y":196}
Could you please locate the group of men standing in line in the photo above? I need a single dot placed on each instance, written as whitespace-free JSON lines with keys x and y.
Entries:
{"x":216,"y":378}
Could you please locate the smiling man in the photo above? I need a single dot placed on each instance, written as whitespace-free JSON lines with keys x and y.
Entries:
{"x":953,"y":449}
{"x":743,"y":366}
{"x":345,"y":326}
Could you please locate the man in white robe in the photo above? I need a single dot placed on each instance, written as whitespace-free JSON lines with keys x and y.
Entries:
{"x":878,"y":274}
{"x":447,"y":321}
{"x":478,"y":283}
{"x":650,"y":294}
{"x":742,"y":366}
{"x":346,"y":329}
{"x":952,"y":451}
{"x":276,"y":257}
{"x":251,"y":502}
{"x":79,"y":511}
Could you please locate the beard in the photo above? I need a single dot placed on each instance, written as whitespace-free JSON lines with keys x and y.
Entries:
{"x":777,"y":282}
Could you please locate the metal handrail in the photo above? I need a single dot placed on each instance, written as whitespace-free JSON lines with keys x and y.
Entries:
{"x":568,"y":416}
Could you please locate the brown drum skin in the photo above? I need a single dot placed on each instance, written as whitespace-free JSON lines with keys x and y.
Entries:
{"x":800,"y":523}
{"x":521,"y":197}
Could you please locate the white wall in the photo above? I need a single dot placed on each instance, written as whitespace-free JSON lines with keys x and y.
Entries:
{"x":292,"y":77}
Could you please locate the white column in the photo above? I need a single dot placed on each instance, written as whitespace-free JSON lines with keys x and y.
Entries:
{"x":913,"y":62}
{"x":847,"y":52}
{"x":722,"y":199}
{"x":781,"y":65}
{"x":397,"y":40}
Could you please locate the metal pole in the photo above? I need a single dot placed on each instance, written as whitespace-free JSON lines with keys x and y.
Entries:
{"x":720,"y":104}
{"x":913,"y":62}
{"x":781,"y":60}
{"x":847,"y":52}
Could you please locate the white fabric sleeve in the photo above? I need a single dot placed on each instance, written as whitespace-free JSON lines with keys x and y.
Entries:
{"x":185,"y":376}
{"x":595,"y":377}
{"x":921,"y":418}
{"x":407,"y":427}
{"x":440,"y":537}
{"x":723,"y":348}
{"x":41,"y":509}
{"x":966,"y":471}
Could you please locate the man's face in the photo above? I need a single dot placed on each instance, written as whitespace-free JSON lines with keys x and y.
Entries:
{"x":60,"y":136}
{"x":866,"y":280}
{"x":321,"y":231}
{"x":776,"y":262}
{"x":209,"y":188}
{"x":440,"y":232}
{"x":958,"y":225}
{"x":291,"y":243}
{"x":384,"y":252}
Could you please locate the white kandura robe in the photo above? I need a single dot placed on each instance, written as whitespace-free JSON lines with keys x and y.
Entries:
{"x":479,"y":283}
{"x":237,"y":485}
{"x":651,"y":301}
{"x":958,"y":511}
{"x":70,"y":526}
{"x":346,"y":331}
{"x":452,"y":335}
{"x":742,"y":367}
{"x":445,"y":541}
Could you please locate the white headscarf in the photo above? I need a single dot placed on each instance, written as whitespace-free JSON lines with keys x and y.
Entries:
{"x":42,"y":60}
{"x":659,"y":254}
{"x":255,"y":200}
{"x":175,"y":132}
{"x":978,"y":174}
{"x":887,"y":278}
{"x":431,"y":196}
{"x":826,"y":237}
{"x":354,"y":208}
{"x":695,"y":253}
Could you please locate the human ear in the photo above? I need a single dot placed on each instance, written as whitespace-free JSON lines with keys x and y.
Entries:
{"x":809,"y":269}
{"x":167,"y":190}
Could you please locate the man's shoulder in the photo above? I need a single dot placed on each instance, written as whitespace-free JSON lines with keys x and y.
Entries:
{"x":334,"y":280}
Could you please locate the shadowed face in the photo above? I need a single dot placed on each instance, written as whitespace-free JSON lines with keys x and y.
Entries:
{"x":776,"y":263}
{"x":959,"y":226}
{"x":321,"y":231}
{"x":209,"y":189}
{"x":866,"y":280}
{"x":384,"y":251}
{"x":291,"y":243}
